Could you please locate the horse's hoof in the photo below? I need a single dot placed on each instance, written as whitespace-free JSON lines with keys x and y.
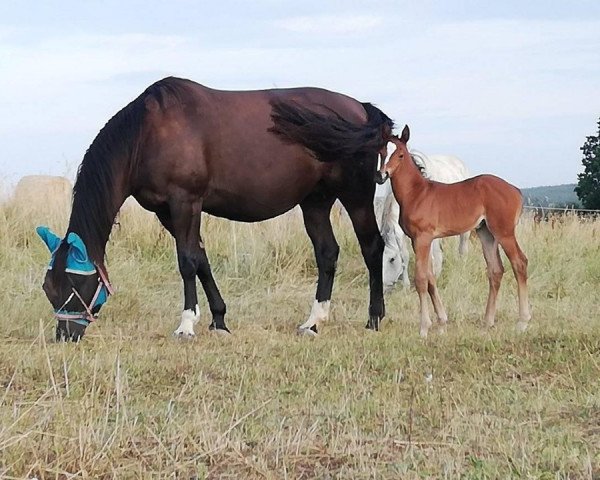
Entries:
{"x":223,"y":331}
{"x":374,"y":327}
{"x":522,"y":326}
{"x":181,"y":335}
{"x":423,"y":333}
{"x":307,"y":332}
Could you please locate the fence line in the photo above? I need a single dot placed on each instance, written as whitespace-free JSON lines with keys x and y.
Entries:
{"x":561,"y":209}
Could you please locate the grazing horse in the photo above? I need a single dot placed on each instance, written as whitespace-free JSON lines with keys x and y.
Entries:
{"x":181,"y":149}
{"x":430,"y":210}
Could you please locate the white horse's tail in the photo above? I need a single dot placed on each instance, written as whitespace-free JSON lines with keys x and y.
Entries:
{"x":463,"y":243}
{"x":437,"y":257}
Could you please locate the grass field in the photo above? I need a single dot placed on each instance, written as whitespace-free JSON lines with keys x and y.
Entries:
{"x":132,"y":402}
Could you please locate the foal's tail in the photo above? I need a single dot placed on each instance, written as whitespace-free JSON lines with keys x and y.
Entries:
{"x":330,"y":136}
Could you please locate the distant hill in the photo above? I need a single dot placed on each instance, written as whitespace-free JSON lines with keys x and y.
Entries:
{"x":551,"y":196}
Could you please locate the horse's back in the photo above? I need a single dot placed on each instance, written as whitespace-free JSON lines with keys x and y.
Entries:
{"x":443,"y":168}
{"x":230,"y":101}
{"x":219,"y":145}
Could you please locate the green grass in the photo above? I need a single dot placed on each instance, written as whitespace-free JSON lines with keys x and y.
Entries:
{"x":132,"y":402}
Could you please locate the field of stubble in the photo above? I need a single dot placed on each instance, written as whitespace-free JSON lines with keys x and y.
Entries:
{"x":132,"y":402}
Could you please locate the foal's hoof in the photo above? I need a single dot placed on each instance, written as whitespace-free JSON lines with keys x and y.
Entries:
{"x":308,"y":332}
{"x":522,"y":326}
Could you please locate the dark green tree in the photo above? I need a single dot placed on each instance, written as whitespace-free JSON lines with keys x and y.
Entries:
{"x":588,"y":185}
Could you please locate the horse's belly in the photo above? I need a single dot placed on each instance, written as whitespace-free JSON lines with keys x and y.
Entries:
{"x":253,"y":201}
{"x":244,"y":209}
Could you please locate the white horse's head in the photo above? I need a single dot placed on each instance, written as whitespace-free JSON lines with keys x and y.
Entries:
{"x":395,"y":253}
{"x":395,"y":258}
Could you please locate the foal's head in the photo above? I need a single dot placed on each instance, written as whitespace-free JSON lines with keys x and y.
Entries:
{"x":396,"y":158}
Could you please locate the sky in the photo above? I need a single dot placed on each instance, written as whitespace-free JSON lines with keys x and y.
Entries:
{"x":511,"y":87}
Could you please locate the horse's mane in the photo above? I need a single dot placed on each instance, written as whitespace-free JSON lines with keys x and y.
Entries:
{"x":329,"y":135}
{"x":115,"y":148}
{"x":420,"y":159}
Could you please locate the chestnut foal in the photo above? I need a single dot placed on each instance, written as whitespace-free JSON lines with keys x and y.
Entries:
{"x":430,"y":210}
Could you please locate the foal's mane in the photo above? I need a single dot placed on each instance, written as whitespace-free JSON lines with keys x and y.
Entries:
{"x":114,"y":149}
{"x":329,"y":135}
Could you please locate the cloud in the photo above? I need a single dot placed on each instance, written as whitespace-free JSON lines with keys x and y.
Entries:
{"x":330,"y":24}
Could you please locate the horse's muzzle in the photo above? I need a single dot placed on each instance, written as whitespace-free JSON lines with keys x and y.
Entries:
{"x":69,"y":331}
{"x":380,"y":178}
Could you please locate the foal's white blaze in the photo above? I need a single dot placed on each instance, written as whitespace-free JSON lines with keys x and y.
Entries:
{"x":188,"y":319}
{"x":319,"y":313}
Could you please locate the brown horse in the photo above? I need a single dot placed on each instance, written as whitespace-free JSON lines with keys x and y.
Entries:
{"x":430,"y":210}
{"x":182,"y":149}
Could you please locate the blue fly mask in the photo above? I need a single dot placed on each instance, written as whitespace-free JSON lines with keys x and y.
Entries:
{"x":77,"y":263}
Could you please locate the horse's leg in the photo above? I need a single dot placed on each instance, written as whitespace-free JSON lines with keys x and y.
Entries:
{"x":371,"y":246}
{"x":518,"y":261}
{"x":495,"y":270}
{"x":318,"y":226}
{"x":463,"y":243}
{"x":422,"y":249}
{"x":438,"y":306}
{"x":215,"y":300}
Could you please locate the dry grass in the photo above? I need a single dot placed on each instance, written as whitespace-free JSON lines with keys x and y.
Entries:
{"x":131,"y":402}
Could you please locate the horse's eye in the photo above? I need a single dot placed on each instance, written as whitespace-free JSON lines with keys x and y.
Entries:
{"x":392,"y":260}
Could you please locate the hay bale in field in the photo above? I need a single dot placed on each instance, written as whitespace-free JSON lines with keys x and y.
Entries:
{"x":133,"y":215}
{"x":43,"y":195}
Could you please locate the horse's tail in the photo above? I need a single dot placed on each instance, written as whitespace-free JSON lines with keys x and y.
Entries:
{"x":329,"y":135}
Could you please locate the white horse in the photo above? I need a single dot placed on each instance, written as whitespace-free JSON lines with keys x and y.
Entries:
{"x":441,"y":168}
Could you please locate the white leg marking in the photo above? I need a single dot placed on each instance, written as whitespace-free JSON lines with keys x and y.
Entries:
{"x":188,"y":319}
{"x":319,"y":313}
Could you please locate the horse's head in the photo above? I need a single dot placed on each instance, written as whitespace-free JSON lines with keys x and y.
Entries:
{"x":75,"y":286}
{"x":396,"y":158}
{"x":395,"y":257}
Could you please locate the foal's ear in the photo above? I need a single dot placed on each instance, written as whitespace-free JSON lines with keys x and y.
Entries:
{"x":405,"y":134}
{"x":77,"y":248}
{"x":51,"y":240}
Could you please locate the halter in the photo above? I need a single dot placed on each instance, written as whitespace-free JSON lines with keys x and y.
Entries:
{"x":87,"y":317}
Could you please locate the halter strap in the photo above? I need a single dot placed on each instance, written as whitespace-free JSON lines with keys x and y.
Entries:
{"x":87,"y":315}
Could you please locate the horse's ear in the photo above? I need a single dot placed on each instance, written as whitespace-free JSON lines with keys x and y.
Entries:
{"x":51,"y":240}
{"x":405,"y":134}
{"x":77,"y":248}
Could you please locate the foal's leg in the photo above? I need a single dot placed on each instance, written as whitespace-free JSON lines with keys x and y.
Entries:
{"x":215,"y":300}
{"x":371,"y":246}
{"x":495,"y":270}
{"x":518,"y":261}
{"x":316,"y":212}
{"x":422,"y":249}
{"x":438,"y":306}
